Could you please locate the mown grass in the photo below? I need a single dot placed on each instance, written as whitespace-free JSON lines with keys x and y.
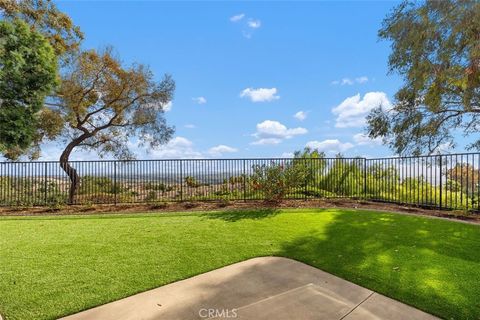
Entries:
{"x":54,"y":266}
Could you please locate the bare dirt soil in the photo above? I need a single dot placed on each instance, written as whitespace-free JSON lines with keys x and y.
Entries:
{"x":208,"y":206}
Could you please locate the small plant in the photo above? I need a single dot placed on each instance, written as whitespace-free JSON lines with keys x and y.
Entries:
{"x":222,"y":192}
{"x":191,"y":182}
{"x":56,"y":202}
{"x":237,"y":179}
{"x":151,"y":196}
{"x":158,"y":187}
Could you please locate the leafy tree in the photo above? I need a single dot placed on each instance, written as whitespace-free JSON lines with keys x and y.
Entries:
{"x":44,"y":17}
{"x":101,"y":105}
{"x":309,"y":164}
{"x":436,"y":49}
{"x":28,"y":73}
{"x":466,"y":177}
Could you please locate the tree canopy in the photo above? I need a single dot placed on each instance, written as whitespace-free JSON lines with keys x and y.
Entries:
{"x":102,"y":105}
{"x":28,"y":73}
{"x":436,"y":50}
{"x":44,"y":17}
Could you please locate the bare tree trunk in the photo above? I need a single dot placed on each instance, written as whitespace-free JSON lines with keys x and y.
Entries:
{"x":69,"y":170}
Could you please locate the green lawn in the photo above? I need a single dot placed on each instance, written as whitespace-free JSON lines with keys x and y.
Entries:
{"x":54,"y":266}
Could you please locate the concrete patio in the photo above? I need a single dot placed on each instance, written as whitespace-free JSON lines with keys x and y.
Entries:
{"x":259,"y":288}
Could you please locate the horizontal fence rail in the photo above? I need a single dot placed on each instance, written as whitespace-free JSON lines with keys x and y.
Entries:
{"x":438,"y":181}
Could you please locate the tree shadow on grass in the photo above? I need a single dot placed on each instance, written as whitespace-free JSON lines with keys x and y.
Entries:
{"x":237,"y":215}
{"x":431,"y":264}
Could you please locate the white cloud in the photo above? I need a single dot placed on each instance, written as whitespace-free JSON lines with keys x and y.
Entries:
{"x":362,"y":79}
{"x":266,"y":141}
{"x":260,"y":94}
{"x":157,"y":107}
{"x":353,"y":110}
{"x":167,"y":106}
{"x":51,"y":151}
{"x":300,"y":115}
{"x":200,"y":100}
{"x":287,"y":155}
{"x":221,"y":149}
{"x":177,"y":148}
{"x":273,"y":132}
{"x":248,"y":25}
{"x":444,"y":148}
{"x":190,"y":126}
{"x":331,"y":146}
{"x":254,"y":23}
{"x":237,"y":17}
{"x":363,"y":140}
{"x":350,"y":81}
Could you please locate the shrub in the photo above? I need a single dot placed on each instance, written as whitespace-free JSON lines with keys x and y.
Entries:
{"x":91,"y":184}
{"x":237,"y":179}
{"x":151,"y":196}
{"x":100,"y":197}
{"x":56,"y":201}
{"x":158,"y":187}
{"x":191,"y":182}
{"x":275,"y":180}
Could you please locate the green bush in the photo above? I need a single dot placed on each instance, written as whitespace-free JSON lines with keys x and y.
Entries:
{"x":191,"y":182}
{"x":151,"y":196}
{"x":274,"y":181}
{"x":92,"y":184}
{"x":158,"y":187}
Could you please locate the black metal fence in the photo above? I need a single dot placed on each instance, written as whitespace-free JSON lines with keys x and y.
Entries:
{"x":440,"y":181}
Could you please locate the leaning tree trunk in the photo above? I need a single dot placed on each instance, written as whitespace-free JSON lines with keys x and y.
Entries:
{"x":69,"y":170}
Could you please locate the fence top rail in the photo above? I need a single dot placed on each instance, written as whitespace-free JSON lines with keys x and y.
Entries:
{"x":181,"y":160}
{"x":447,"y":155}
{"x":245,"y":159}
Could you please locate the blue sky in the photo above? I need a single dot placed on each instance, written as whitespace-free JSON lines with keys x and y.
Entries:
{"x":244,"y":70}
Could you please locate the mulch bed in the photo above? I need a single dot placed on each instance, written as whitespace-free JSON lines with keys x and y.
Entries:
{"x":207,"y":206}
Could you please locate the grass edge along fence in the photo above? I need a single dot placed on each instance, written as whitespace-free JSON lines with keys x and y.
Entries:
{"x":450,"y":181}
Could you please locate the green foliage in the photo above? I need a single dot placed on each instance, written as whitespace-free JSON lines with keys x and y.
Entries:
{"x":308,"y":164}
{"x":30,"y":192}
{"x":237,"y":179}
{"x":44,"y":17}
{"x":28,"y":73}
{"x":274,"y":181}
{"x":158,"y":187}
{"x":151,"y":196}
{"x":191,"y":182}
{"x":56,"y":201}
{"x":453,"y":185}
{"x":435,"y":50}
{"x":92,"y":184}
{"x":343,"y":177}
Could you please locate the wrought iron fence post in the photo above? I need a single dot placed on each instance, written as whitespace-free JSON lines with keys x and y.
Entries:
{"x":365,"y":178}
{"x":45,"y":184}
{"x":305,"y":182}
{"x":181,"y":180}
{"x":244,"y":181}
{"x":115,"y":187}
{"x":441,"y":184}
